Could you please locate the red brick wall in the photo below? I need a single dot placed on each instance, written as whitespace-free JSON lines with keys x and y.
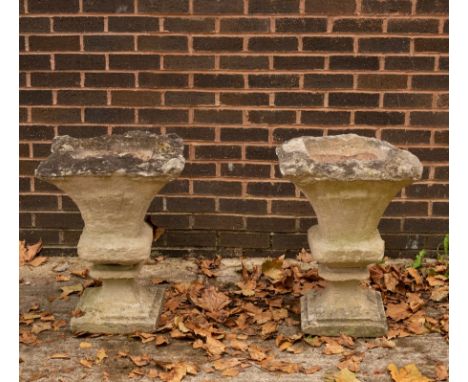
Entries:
{"x":234,"y":78}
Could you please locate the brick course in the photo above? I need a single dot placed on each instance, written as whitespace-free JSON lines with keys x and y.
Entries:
{"x":235,"y":78}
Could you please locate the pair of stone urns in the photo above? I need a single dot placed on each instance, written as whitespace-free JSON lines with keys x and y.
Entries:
{"x":348,"y":179}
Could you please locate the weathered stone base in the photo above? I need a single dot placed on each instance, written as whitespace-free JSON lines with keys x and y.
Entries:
{"x":328,"y":313}
{"x":119,"y":316}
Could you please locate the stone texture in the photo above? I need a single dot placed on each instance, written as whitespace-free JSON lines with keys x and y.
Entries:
{"x":112,"y":180}
{"x":349,"y":180}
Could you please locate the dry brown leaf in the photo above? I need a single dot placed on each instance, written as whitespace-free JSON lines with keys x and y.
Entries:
{"x":439,"y":294}
{"x":100,"y":355}
{"x":345,"y":375}
{"x":215,"y":347}
{"x":161,"y":340}
{"x":60,"y":356}
{"x":85,"y":345}
{"x":39,"y":327}
{"x":313,"y":341}
{"x":311,"y":370}
{"x":304,"y":256}
{"x":256,"y":353}
{"x":416,"y":323}
{"x":414,"y":300}
{"x":211,"y":299}
{"x":56,"y":325}
{"x":231,"y":372}
{"x":27,"y":338}
{"x":391,"y":281}
{"x":399,"y":311}
{"x":269,"y":328}
{"x":238,"y":345}
{"x":158,"y":232}
{"x":279,"y":314}
{"x":139,"y":360}
{"x":37,"y":261}
{"x":441,"y":372}
{"x":409,"y":373}
{"x":271,"y":364}
{"x":28,"y":252}
{"x":352,"y":362}
{"x":333,"y":348}
{"x":82,"y":273}
{"x":223,"y":364}
{"x":62,"y":277}
{"x":86,"y":363}
{"x":273,"y":269}
{"x":437,"y":280}
{"x":70,"y":289}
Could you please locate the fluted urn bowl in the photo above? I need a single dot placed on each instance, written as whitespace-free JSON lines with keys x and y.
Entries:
{"x":113,"y":180}
{"x":349,"y":181}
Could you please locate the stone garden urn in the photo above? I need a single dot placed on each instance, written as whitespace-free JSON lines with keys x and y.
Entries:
{"x":113,"y":180}
{"x":349,"y":181}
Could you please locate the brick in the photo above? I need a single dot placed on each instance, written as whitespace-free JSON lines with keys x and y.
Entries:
{"x":53,"y":6}
{"x":218,"y":152}
{"x":244,"y":99}
{"x":291,"y":208}
{"x":218,"y":7}
{"x":406,"y":137}
{"x":354,"y":63}
{"x":189,"y":98}
{"x":22,"y":43}
{"x":82,"y":131}
{"x":23,"y":114}
{"x":199,"y":170}
{"x":22,"y":80}
{"x":273,"y":81}
{"x":328,"y":44}
{"x":42,"y":186}
{"x":301,"y":25}
{"x":34,"y":25}
{"x":428,"y":191}
{"x":24,"y":151}
{"x":162,"y":80}
{"x":441,"y":137}
{"x":218,"y":222}
{"x":243,"y":62}
{"x":214,"y":187}
{"x":427,"y":118}
{"x":58,"y":80}
{"x":36,"y":132}
{"x":59,"y":220}
{"x":41,"y":150}
{"x":272,"y":117}
{"x":442,"y":101}
{"x":163,"y":115}
{"x":134,"y":61}
{"x":105,"y":80}
{"x":325,"y":117}
{"x":34,"y":62}
{"x":46,"y":235}
{"x":430,"y":82}
{"x":244,"y":240}
{"x":409,"y":63}
{"x":273,"y":44}
{"x":37,"y":202}
{"x":263,"y":153}
{"x":218,"y":116}
{"x":243,"y":134}
{"x":79,"y":24}
{"x":54,"y":43}
{"x":382,"y":81}
{"x":220,"y":44}
{"x":299,"y":99}
{"x":289,"y":241}
{"x":162,"y":43}
{"x":440,"y":209}
{"x":353,"y":99}
{"x":218,"y":81}
{"x":273,"y":6}
{"x":163,"y":6}
{"x":238,"y":170}
{"x":386,"y":7}
{"x":413,"y":26}
{"x":446,"y":27}
{"x":133,"y":24}
{"x":108,"y":43}
{"x":27,"y":167}
{"x":24,"y":184}
{"x":244,"y":25}
{"x":384,"y":45}
{"x":80,"y":62}
{"x":379,"y":118}
{"x":180,"y":186}
{"x":328,"y":81}
{"x":270,"y":224}
{"x":244,"y":206}
{"x":191,"y":239}
{"x":135,"y":98}
{"x":56,"y":115}
{"x":432,"y":6}
{"x":298,"y":63}
{"x":389,"y":225}
{"x":437,"y":45}
{"x":444,"y":63}
{"x":283,"y":134}
{"x":81,"y":97}
{"x":108,"y":6}
{"x":357,"y":25}
{"x":426,"y":225}
{"x":25,"y":220}
{"x":190,"y":205}
{"x":276,"y":190}
{"x":407,"y":100}
{"x":109,"y":115}
{"x":188,"y":62}
{"x":35,"y":97}
{"x":193,"y":133}
{"x":330,"y":7}
{"x":407,"y":209}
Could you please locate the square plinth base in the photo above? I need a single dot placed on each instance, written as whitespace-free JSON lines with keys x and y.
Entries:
{"x":323,"y":315}
{"x":112,"y":320}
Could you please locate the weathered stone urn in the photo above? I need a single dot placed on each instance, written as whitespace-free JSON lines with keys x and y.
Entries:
{"x":349,"y":180}
{"x":113,"y":180}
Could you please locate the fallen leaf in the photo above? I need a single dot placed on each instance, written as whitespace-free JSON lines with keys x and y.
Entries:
{"x":59,"y":356}
{"x":223,"y":364}
{"x":269,"y":328}
{"x":86,"y":363}
{"x":282,"y":366}
{"x":27,"y":338}
{"x":333,"y":348}
{"x":100,"y":355}
{"x":161,"y":340}
{"x":37,"y":261}
{"x":231,"y":372}
{"x":304,"y":256}
{"x":28,"y":252}
{"x":345,"y":375}
{"x":70,"y":289}
{"x":39,"y":327}
{"x":85,"y":345}
{"x":139,"y":360}
{"x":214,"y":346}
{"x":61,"y":278}
{"x":82,"y":273}
{"x":398,"y":312}
{"x":211,"y":299}
{"x":415,"y":302}
{"x":441,"y":372}
{"x":273,"y":269}
{"x":408,"y":373}
{"x":440,"y":293}
{"x":256,"y":353}
{"x":311,"y":370}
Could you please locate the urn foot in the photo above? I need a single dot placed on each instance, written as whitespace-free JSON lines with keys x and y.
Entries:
{"x":135,"y":308}
{"x":330,"y":312}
